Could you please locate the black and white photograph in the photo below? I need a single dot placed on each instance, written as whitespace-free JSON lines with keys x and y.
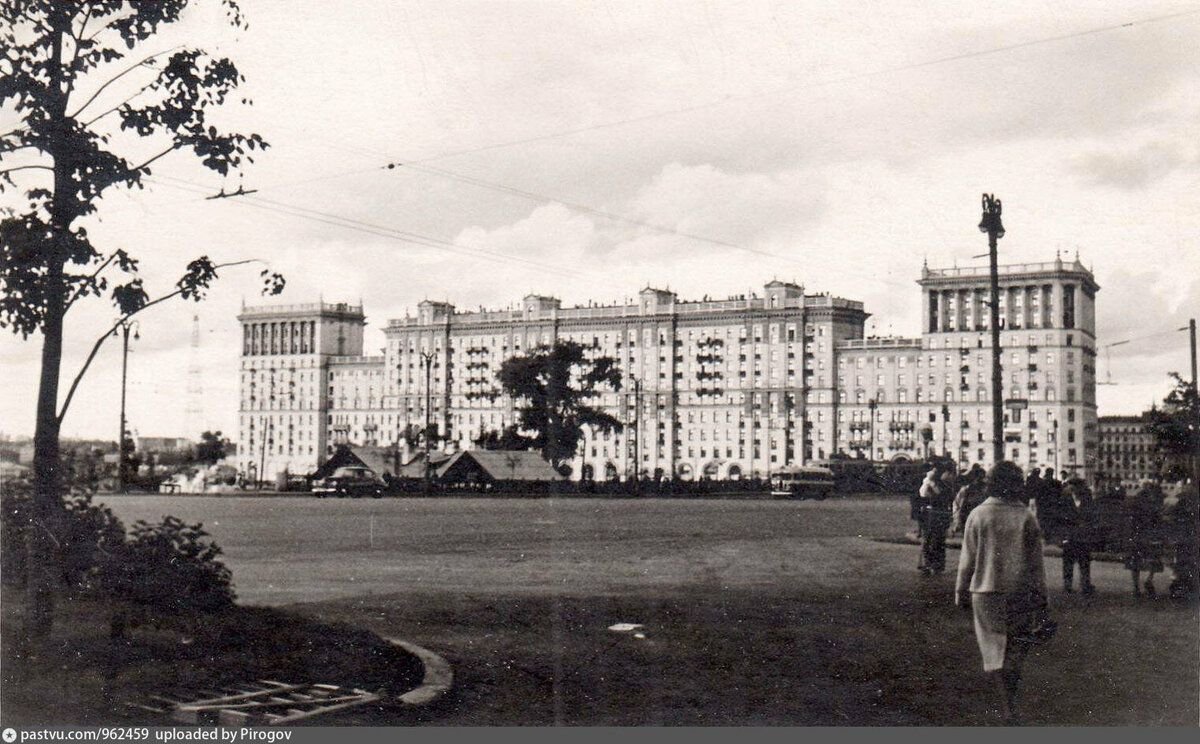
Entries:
{"x":597,"y":363}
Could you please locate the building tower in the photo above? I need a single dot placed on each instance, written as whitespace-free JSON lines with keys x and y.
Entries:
{"x":285,"y":421}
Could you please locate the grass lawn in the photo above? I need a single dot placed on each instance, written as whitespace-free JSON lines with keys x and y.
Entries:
{"x":754,"y":612}
{"x":81,"y":677}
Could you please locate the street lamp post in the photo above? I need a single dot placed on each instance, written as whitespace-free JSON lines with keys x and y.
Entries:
{"x":872,"y":404}
{"x":992,"y":225}
{"x":427,"y":358}
{"x":126,"y":327}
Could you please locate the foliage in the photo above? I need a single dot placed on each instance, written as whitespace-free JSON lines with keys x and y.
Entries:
{"x":1174,"y":426}
{"x":52,"y":51}
{"x":553,"y":385}
{"x":509,"y":438}
{"x":212,"y":447}
{"x":60,"y":59}
{"x":87,"y":535}
{"x":170,"y":566}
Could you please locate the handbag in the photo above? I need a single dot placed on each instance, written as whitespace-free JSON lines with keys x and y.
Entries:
{"x":1030,"y":614}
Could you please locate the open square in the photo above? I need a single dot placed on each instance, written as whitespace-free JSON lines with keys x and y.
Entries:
{"x":753,"y":611}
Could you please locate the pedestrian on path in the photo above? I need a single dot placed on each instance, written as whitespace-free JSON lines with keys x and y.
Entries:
{"x":1078,"y":526}
{"x":1183,"y":519}
{"x":969,"y":496}
{"x":916,"y":501}
{"x":1001,"y":578}
{"x":937,"y":501}
{"x":1143,"y":536}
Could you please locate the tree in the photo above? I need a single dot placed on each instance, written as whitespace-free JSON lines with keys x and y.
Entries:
{"x":509,"y":438}
{"x":553,"y":385}
{"x":212,"y":447}
{"x":59,"y":59}
{"x":1176,"y":428}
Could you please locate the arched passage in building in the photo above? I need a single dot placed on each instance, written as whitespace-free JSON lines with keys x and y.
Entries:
{"x":610,"y":471}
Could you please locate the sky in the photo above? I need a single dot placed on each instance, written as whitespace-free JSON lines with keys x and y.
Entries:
{"x":588,"y":149}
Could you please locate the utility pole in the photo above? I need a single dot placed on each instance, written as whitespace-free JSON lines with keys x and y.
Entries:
{"x":994,"y":228}
{"x":637,"y":434}
{"x":266,"y":435}
{"x":427,"y":358}
{"x":1196,"y":423}
{"x":126,"y":327}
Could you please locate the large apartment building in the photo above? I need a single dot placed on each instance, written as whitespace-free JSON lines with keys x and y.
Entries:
{"x":1128,"y":452}
{"x":728,"y":388}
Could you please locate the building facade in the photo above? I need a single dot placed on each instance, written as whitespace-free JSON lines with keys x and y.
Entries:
{"x":1128,"y":450}
{"x":726,"y":389}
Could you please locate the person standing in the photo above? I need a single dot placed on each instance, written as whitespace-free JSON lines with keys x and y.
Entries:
{"x":1078,"y":526}
{"x":969,"y":496}
{"x":1183,"y":519}
{"x":1143,"y":536}
{"x":937,"y":501}
{"x":1049,"y":506}
{"x":1002,"y":579}
{"x":916,"y":503}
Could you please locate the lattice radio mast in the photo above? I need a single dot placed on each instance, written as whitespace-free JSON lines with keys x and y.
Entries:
{"x":194,"y":410}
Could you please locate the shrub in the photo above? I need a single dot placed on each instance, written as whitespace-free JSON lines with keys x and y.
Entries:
{"x":86,"y":536}
{"x":170,"y":566}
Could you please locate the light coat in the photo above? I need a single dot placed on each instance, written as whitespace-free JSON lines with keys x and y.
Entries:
{"x":1001,"y":550}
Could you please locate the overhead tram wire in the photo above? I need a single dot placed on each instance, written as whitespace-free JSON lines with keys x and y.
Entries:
{"x":688,"y":109}
{"x":372,"y":229}
{"x":785,"y":90}
{"x":420,"y":163}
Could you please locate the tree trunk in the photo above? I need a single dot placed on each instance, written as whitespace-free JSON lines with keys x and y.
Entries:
{"x":44,"y":574}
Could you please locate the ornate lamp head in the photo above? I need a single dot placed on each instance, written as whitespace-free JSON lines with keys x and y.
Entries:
{"x":991,"y":216}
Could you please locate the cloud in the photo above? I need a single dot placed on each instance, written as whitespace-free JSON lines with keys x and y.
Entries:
{"x":1134,"y":168}
{"x":550,"y":232}
{"x":733,"y":208}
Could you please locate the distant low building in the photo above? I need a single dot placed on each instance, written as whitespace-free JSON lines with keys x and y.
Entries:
{"x":1128,"y":450}
{"x":164,"y":444}
{"x":11,"y":470}
{"x":482,"y":467}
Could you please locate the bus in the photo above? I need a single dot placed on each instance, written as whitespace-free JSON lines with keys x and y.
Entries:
{"x":814,"y":482}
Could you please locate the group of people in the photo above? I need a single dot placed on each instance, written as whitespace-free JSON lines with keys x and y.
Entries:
{"x":1006,"y":519}
{"x":1134,"y":523}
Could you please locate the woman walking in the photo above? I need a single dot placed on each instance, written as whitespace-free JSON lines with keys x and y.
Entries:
{"x":1143,"y":536}
{"x":1002,"y":579}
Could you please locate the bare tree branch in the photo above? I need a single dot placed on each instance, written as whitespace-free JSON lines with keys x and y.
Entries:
{"x":172,"y":148}
{"x":118,"y":76}
{"x":98,"y":117}
{"x":100,"y":341}
{"x":79,"y":292}
{"x":26,"y":167}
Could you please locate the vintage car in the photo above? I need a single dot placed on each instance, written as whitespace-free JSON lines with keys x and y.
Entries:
{"x":352,"y":481}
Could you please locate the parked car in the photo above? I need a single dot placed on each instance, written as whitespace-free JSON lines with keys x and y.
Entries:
{"x":813,"y":482}
{"x":352,"y":481}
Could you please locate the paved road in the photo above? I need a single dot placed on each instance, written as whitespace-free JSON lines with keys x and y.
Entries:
{"x":752,"y":611}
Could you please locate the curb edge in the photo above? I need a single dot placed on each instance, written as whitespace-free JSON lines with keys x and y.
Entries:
{"x":438,"y":679}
